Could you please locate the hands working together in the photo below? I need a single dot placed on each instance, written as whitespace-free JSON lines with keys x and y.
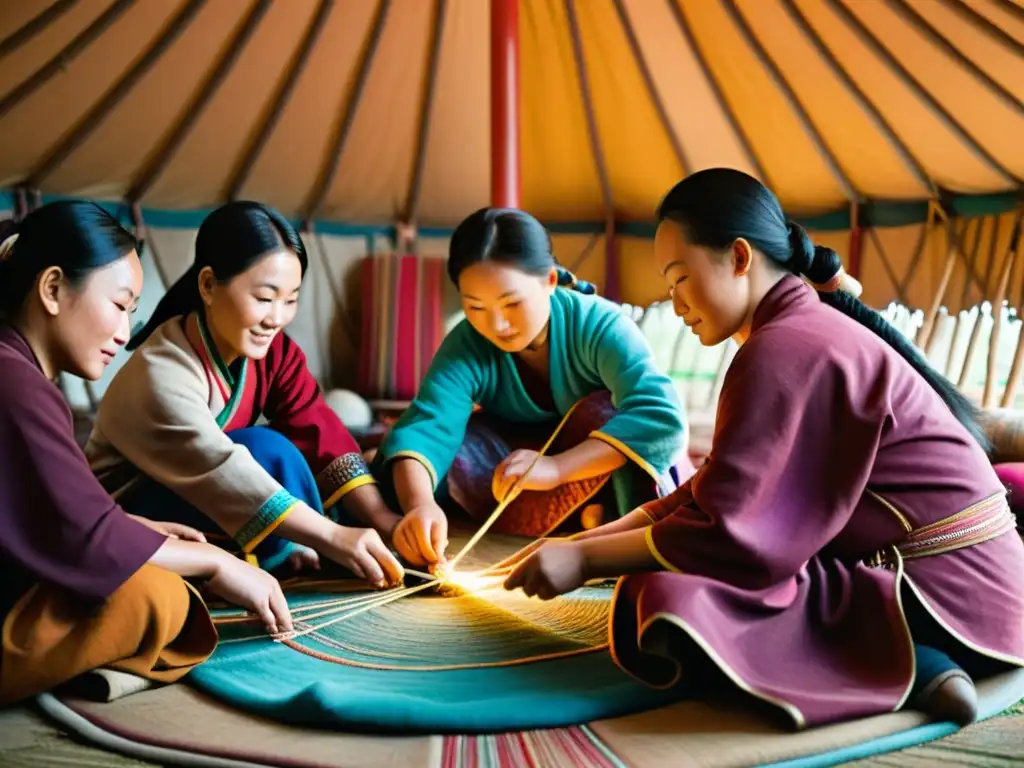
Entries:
{"x":546,"y":568}
{"x":421,"y":536}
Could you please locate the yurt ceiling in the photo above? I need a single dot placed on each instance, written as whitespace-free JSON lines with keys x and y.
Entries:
{"x":873,"y":114}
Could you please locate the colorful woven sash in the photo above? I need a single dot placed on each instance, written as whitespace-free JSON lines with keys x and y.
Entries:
{"x":978,"y":523}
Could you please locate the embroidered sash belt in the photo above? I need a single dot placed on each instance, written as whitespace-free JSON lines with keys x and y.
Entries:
{"x":978,"y":523}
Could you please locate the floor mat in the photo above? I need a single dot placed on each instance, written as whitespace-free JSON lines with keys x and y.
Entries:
{"x":479,"y":660}
{"x":179,"y":726}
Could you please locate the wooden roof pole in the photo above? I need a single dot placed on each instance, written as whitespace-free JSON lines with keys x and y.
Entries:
{"x":280,"y":101}
{"x":34,"y":26}
{"x":611,"y":276}
{"x":347,"y":117}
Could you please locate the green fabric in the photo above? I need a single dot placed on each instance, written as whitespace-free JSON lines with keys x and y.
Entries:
{"x":593,"y":346}
{"x":418,"y":632}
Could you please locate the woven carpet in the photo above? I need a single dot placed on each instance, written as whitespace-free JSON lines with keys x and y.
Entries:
{"x":417,"y":684}
{"x":179,"y":726}
{"x":480,"y":662}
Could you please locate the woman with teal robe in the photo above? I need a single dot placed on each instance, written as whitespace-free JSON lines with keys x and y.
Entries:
{"x":538,"y":359}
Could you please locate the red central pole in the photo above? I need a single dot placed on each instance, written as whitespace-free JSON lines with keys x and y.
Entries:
{"x":506,"y":185}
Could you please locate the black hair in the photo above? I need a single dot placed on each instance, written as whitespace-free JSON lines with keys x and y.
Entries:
{"x":75,"y":235}
{"x":230,"y":240}
{"x":507,"y":236}
{"x":717,"y":206}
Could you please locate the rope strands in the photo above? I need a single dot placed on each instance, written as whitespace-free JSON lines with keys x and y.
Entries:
{"x":344,"y":623}
{"x":447,"y":576}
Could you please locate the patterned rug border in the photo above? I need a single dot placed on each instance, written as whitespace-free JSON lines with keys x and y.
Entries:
{"x":74,"y":723}
{"x":896,"y":742}
{"x":112,"y":737}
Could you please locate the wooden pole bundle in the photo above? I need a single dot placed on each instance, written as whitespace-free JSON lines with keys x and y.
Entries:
{"x":1013,"y":381}
{"x":965,"y":295}
{"x":979,"y":320}
{"x":989,"y":397}
{"x":927,"y":334}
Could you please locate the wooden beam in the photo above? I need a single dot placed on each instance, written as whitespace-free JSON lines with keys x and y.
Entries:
{"x":192,"y":112}
{"x":910,"y":160}
{"x":872,"y":41}
{"x":506,"y":141}
{"x":280,"y":101}
{"x":333,"y":157}
{"x":34,"y":26}
{"x":926,"y":28}
{"x":985,"y":25}
{"x":886,"y":264}
{"x":99,"y":112}
{"x":652,"y":90}
{"x":716,"y":88}
{"x":65,"y":56}
{"x":412,"y":201}
{"x":775,"y":74}
{"x":611,"y":277}
{"x":1011,"y":8}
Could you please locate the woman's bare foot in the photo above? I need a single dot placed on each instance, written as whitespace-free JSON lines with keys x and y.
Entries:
{"x":950,"y":697}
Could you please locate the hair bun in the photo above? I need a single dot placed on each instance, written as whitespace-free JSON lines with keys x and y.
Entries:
{"x":801,"y":249}
{"x":819,"y":264}
{"x":567,"y":279}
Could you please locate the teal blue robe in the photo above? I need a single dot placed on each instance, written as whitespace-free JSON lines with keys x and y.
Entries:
{"x":592,"y":347}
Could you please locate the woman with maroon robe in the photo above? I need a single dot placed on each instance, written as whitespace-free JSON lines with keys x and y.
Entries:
{"x":84,"y":585}
{"x":847,"y":548}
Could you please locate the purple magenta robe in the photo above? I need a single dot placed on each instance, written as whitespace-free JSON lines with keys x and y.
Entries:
{"x":825,"y":436}
{"x":57,"y":523}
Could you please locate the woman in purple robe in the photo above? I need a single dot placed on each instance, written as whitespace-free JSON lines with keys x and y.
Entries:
{"x":846,"y":549}
{"x":84,"y":585}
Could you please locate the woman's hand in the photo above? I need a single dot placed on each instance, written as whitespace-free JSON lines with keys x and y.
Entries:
{"x":172,"y":530}
{"x":506,"y":566}
{"x":363,"y":552}
{"x":554,"y":569}
{"x":422,"y":535}
{"x":304,"y":559}
{"x":545,"y":475}
{"x":257,"y":591}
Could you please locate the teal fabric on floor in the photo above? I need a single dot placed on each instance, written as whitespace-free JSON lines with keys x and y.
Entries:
{"x":275,"y":681}
{"x":525,"y":664}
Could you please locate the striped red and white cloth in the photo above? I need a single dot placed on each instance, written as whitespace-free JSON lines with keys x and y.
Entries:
{"x":402,"y":323}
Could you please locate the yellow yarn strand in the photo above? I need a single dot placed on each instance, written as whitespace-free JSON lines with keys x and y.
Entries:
{"x":511,"y":496}
{"x":447,"y":576}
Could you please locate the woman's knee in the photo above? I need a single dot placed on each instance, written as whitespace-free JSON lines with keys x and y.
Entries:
{"x":275,"y":453}
{"x":149,"y":593}
{"x":265,"y":443}
{"x":282,"y":460}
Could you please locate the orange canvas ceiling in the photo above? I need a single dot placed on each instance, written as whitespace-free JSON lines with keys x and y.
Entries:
{"x":359,"y":113}
{"x":315,"y":106}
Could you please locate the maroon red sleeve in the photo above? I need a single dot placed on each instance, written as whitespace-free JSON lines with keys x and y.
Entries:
{"x":57,"y":523}
{"x":296,"y":408}
{"x":778,"y":484}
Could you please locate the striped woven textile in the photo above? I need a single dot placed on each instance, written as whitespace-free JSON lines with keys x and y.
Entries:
{"x":402,"y":323}
{"x":575,"y":746}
